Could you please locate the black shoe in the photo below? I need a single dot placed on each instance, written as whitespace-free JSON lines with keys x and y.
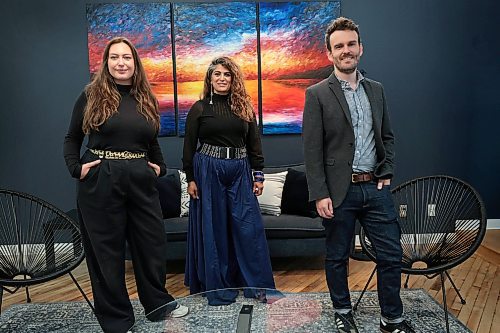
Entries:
{"x":345,"y":322}
{"x":402,"y":327}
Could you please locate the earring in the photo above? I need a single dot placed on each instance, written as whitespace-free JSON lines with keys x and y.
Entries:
{"x":211,"y":93}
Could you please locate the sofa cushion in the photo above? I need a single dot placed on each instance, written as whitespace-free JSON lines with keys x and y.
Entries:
{"x":169,"y":190}
{"x":270,"y":200}
{"x":292,"y":226}
{"x":176,"y":228}
{"x":277,"y":227}
{"x":295,"y":199}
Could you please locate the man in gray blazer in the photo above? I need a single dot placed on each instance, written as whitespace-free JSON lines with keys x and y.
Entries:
{"x":349,"y":158}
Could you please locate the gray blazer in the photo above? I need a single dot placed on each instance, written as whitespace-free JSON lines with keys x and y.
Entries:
{"x":328,"y":138}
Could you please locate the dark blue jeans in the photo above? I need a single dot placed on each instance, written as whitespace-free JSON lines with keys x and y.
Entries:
{"x":375,"y":211}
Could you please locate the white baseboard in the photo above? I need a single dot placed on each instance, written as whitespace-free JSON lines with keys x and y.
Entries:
{"x":493,"y":224}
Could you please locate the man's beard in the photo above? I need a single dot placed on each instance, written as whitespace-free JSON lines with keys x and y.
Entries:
{"x":348,"y":70}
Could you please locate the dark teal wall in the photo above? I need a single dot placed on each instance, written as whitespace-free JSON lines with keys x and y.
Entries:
{"x":438,"y":61}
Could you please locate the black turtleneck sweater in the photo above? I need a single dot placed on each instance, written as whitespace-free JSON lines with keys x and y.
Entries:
{"x":217,"y":125}
{"x":126,"y":130}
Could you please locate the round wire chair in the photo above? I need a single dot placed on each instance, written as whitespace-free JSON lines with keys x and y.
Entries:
{"x":38,"y":243}
{"x":443,"y":222}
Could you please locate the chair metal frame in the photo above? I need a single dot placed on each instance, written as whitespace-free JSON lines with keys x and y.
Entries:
{"x":50,"y":219}
{"x":440,"y":269}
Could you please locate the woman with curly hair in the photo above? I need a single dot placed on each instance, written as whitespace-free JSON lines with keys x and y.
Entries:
{"x":117,"y":197}
{"x":227,"y":246}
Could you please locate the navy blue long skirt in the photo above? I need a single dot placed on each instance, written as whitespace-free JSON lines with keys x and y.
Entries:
{"x":227,"y":246}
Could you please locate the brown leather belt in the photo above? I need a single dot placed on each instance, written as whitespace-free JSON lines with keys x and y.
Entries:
{"x":362,"y":177}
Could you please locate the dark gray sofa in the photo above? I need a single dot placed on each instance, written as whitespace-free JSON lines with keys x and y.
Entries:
{"x":294,"y":233}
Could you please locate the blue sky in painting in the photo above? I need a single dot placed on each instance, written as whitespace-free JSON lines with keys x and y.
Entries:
{"x":308,"y":15}
{"x":148,"y":23}
{"x":305,"y":20}
{"x":213,"y":27}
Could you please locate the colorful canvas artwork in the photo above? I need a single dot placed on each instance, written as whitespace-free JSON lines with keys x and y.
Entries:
{"x":287,"y":38}
{"x":293,"y":57}
{"x":204,"y":31}
{"x":148,"y":26}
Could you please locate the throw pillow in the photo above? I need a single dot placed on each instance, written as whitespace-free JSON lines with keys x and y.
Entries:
{"x":295,"y":199}
{"x":184,"y":195}
{"x":169,"y":190}
{"x":270,"y":200}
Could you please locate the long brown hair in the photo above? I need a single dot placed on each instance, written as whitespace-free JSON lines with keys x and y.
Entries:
{"x":103,"y":97}
{"x":238,"y":97}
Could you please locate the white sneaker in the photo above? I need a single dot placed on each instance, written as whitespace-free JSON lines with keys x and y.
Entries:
{"x":179,"y":311}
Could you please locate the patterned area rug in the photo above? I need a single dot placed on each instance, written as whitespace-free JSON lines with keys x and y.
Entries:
{"x":300,"y":312}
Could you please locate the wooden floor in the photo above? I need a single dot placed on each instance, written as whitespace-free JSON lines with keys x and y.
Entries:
{"x":478,"y":280}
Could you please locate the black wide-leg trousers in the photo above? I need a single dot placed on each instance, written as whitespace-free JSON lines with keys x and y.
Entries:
{"x":118,"y":201}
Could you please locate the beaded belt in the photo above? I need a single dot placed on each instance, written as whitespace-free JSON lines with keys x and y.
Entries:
{"x":117,"y":155}
{"x":362,"y":177}
{"x":223,"y":152}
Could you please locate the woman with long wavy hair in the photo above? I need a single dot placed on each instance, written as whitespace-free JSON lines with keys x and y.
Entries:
{"x":227,"y":246}
{"x":117,"y":197}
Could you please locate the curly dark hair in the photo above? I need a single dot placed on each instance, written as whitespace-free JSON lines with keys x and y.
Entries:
{"x":239,"y":99}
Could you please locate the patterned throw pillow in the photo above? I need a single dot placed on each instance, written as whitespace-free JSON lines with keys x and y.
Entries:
{"x":184,"y":194}
{"x":270,"y":200}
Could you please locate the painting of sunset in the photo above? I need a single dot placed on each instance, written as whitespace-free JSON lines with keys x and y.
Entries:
{"x":293,"y":58}
{"x":148,"y":26}
{"x":204,"y":31}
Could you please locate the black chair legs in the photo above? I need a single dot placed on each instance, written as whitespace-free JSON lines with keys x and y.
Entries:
{"x":28,"y":298}
{"x":445,"y":307}
{"x":406,"y":281}
{"x":364,"y":289}
{"x":462,"y":300}
{"x":82,"y":292}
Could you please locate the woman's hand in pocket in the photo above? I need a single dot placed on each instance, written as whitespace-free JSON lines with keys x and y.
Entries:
{"x":155,"y":167}
{"x":86,"y":168}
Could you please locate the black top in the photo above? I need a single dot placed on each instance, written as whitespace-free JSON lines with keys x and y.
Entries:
{"x":217,"y":125}
{"x":126,"y":130}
